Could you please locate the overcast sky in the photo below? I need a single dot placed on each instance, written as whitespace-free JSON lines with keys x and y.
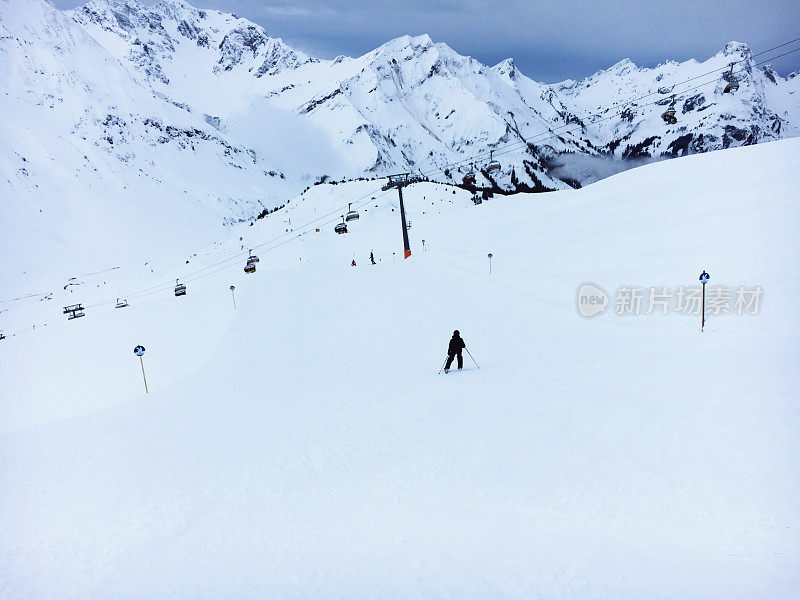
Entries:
{"x":550,"y":40}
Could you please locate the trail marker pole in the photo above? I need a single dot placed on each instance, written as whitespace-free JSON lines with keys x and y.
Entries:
{"x":490,"y":263}
{"x":423,"y":245}
{"x":139,"y":351}
{"x":233,"y":296}
{"x":704,"y":277}
{"x":144,"y":377}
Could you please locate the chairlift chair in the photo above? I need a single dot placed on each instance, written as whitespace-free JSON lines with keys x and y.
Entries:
{"x":2,"y":336}
{"x":180,"y":289}
{"x":252,"y":258}
{"x":352,"y":215}
{"x":341,"y":227}
{"x":408,"y":225}
{"x":493,"y":164}
{"x":121,"y":303}
{"x":669,"y":115}
{"x":250,"y":267}
{"x":733,"y":81}
{"x":469,"y":178}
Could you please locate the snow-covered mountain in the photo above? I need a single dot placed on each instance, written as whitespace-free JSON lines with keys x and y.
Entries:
{"x":87,"y":148}
{"x":136,"y":122}
{"x":413,"y":104}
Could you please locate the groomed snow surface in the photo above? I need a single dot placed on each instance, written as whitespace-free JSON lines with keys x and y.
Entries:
{"x":302,"y":445}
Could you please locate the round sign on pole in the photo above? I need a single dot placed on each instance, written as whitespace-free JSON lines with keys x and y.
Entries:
{"x":704,"y":277}
{"x":139,"y":350}
{"x":233,"y":288}
{"x":489,"y":255}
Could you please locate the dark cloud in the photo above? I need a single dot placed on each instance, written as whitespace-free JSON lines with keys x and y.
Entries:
{"x":550,"y":40}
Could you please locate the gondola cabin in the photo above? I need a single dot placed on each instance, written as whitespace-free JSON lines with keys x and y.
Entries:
{"x":341,"y":227}
{"x":180,"y":289}
{"x":733,"y":82}
{"x":351,"y":215}
{"x":669,"y":116}
{"x":493,"y":164}
{"x":74,"y":311}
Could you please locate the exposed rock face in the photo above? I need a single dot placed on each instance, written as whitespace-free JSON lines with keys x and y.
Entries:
{"x":415,"y":105}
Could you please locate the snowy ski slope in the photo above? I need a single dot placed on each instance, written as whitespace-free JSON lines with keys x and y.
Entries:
{"x":302,"y":445}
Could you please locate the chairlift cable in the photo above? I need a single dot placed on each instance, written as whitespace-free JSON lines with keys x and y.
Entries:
{"x":509,"y":147}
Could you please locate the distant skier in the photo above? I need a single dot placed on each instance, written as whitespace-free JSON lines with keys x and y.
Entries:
{"x":371,"y":257}
{"x":353,"y":264}
{"x":453,"y":350}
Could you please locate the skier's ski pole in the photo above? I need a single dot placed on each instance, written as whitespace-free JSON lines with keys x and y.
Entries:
{"x":473,"y":358}
{"x":443,"y":364}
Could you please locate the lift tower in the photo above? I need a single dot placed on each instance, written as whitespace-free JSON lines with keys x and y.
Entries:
{"x":400,"y":181}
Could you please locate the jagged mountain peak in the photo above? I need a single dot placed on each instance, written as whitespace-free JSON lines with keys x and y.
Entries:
{"x":209,"y":42}
{"x":415,"y":104}
{"x":407,"y":41}
{"x":248,"y":45}
{"x":134,"y":5}
{"x":737,"y":49}
{"x":175,"y":5}
{"x":408,"y":48}
{"x":621,"y":68}
{"x":506,"y":68}
{"x":508,"y":63}
{"x":405,"y":47}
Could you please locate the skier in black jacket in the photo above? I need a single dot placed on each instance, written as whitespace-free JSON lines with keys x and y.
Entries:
{"x":453,"y":350}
